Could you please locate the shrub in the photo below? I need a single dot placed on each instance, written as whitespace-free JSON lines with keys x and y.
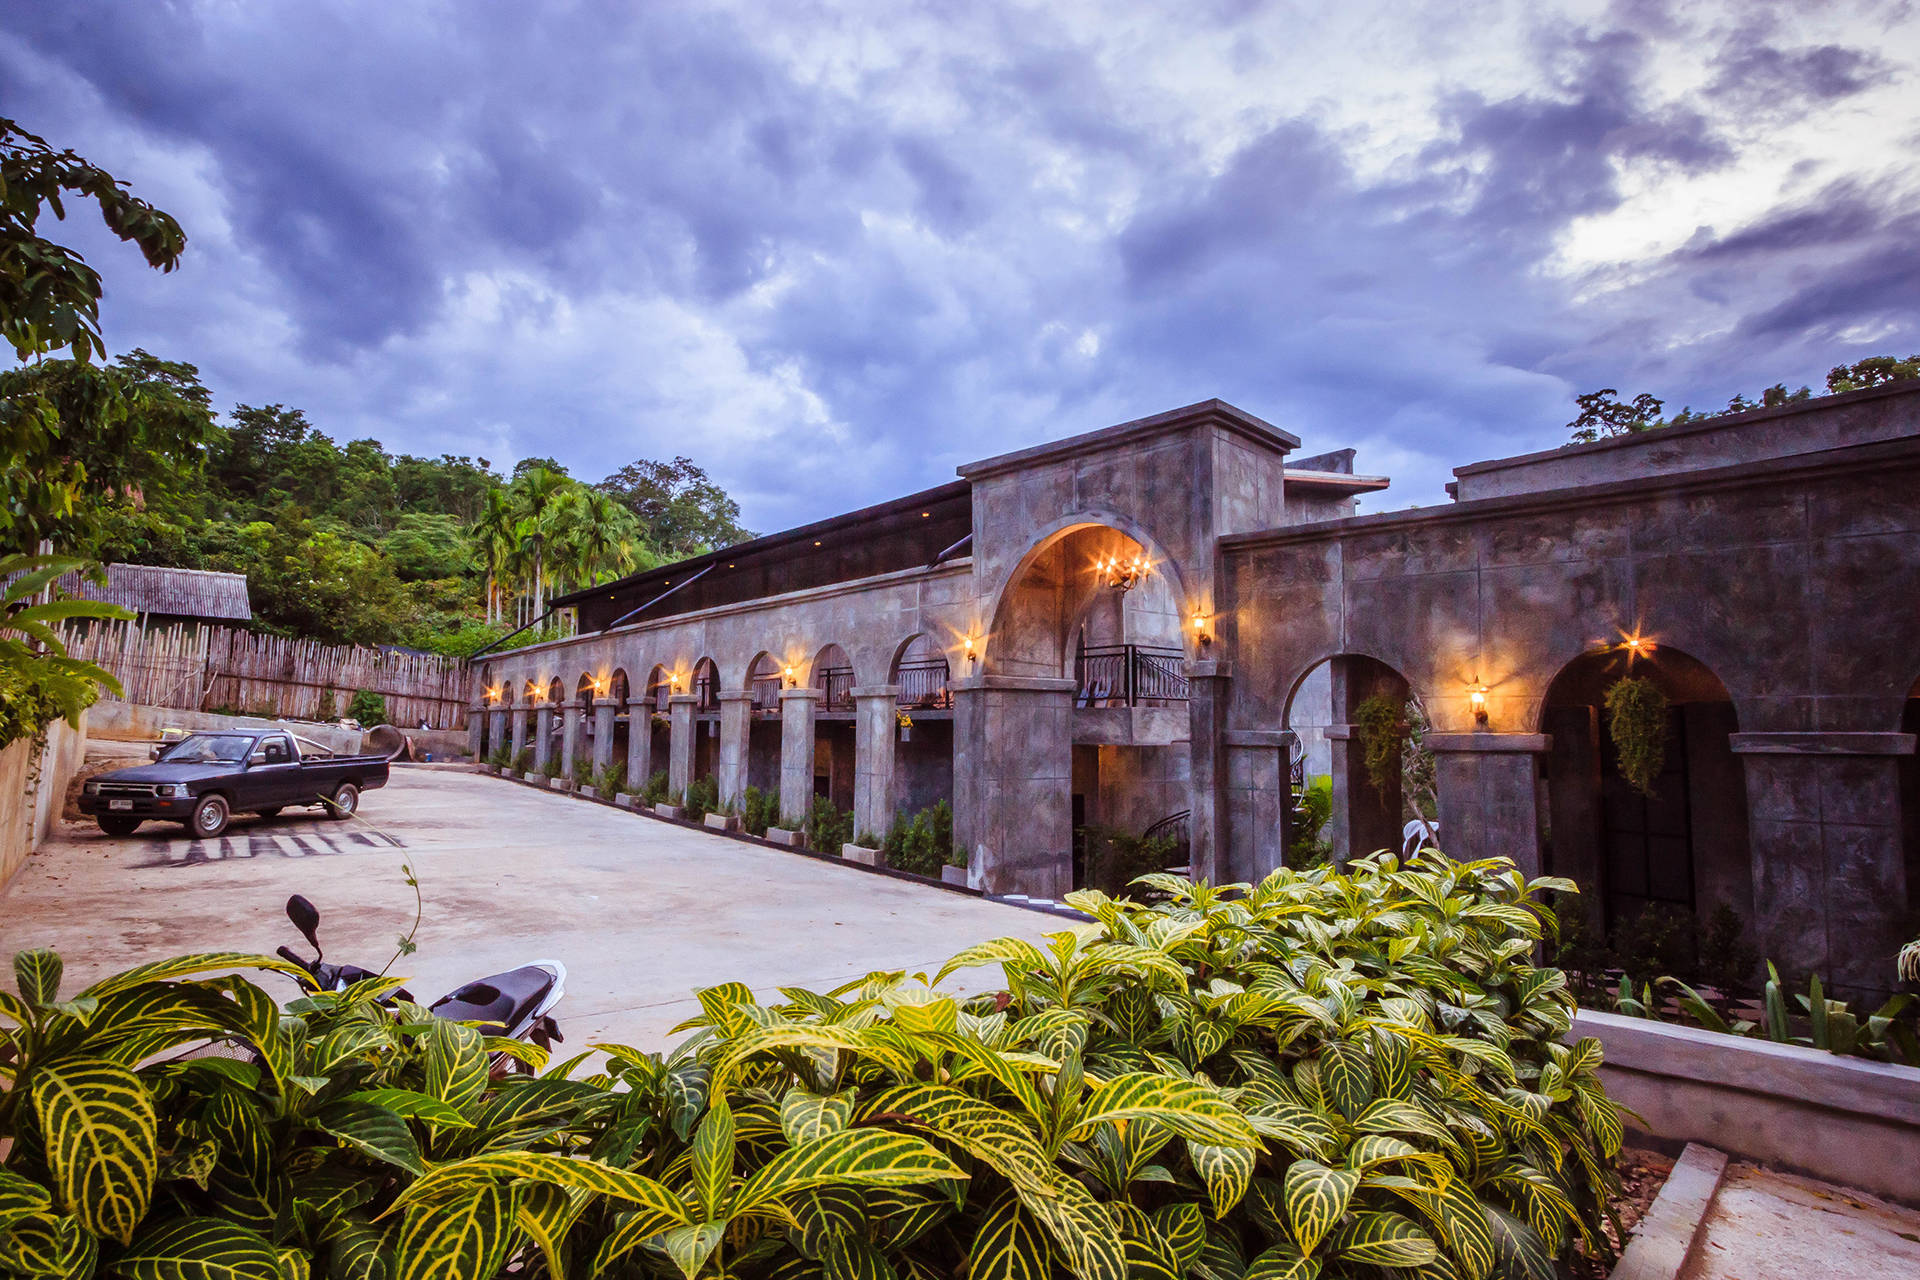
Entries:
{"x":550,"y":769}
{"x":1341,"y":1075}
{"x":329,"y":708}
{"x":1380,"y":722}
{"x":922,"y":844}
{"x":758,"y":811}
{"x":1115,"y":859}
{"x":612,"y":780}
{"x":1637,"y":723}
{"x":827,"y":827}
{"x":654,"y":790}
{"x":702,"y":797}
{"x":499,"y":758}
{"x":368,"y":707}
{"x":523,"y":760}
{"x":1310,"y":846}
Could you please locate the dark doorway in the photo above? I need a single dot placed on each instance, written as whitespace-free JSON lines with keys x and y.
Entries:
{"x":1646,"y":840}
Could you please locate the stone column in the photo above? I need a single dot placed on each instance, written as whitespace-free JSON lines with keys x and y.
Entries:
{"x":874,"y":725}
{"x":798,"y":707}
{"x":1829,"y":871}
{"x":571,"y":717}
{"x":1207,"y":686}
{"x":542,"y":736}
{"x":1013,"y":783}
{"x":639,"y":742}
{"x":680,"y":744}
{"x":477,"y":730}
{"x":496,"y":729}
{"x":518,"y":716}
{"x":736,"y":723}
{"x":1259,"y":803}
{"x":1489,"y":795}
{"x":1365,"y":817}
{"x":604,"y":713}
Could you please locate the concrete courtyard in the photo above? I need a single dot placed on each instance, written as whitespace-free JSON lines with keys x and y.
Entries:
{"x":641,"y":912}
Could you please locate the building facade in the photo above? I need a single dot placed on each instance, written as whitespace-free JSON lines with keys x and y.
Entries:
{"x":1151,"y":620}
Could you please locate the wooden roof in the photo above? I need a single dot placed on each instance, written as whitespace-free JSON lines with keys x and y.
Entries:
{"x":184,"y":593}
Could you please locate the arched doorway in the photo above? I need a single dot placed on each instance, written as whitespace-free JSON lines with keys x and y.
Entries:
{"x":1357,"y":775}
{"x":1657,"y":818}
{"x":833,"y":730}
{"x":923,"y":756}
{"x":705,"y":688}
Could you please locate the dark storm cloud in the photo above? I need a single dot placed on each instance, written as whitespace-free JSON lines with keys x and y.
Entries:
{"x":833,"y":253}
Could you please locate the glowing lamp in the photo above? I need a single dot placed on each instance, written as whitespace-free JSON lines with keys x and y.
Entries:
{"x":1477,"y":699}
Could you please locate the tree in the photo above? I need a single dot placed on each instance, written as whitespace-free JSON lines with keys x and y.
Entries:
{"x":681,"y":510}
{"x":49,"y":296}
{"x":1603,"y":415}
{"x":1874,"y":371}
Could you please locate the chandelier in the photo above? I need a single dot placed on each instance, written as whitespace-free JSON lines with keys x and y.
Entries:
{"x":1121,"y":575}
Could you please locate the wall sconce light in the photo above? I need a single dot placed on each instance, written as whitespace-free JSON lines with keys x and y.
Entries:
{"x":1121,"y":575}
{"x":1200,"y":632}
{"x":1637,"y":647}
{"x":1477,"y":699}
{"x":493,"y":694}
{"x":792,"y":681}
{"x":971,"y":656}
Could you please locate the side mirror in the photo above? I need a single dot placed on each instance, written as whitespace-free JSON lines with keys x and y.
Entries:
{"x":153,"y":752}
{"x":306,"y":918}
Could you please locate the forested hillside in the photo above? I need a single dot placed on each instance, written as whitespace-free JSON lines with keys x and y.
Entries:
{"x":351,"y":543}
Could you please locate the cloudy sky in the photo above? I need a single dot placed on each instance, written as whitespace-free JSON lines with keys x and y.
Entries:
{"x":832,"y":250}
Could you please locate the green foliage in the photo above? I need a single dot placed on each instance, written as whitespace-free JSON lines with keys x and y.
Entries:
{"x":1637,"y":723}
{"x":684,"y":512}
{"x":38,"y":681}
{"x":1311,"y":845}
{"x":1382,"y":725}
{"x":1660,"y":939}
{"x":655,"y":790}
{"x":550,"y":768}
{"x":1323,"y":1075}
{"x":368,"y":707}
{"x":922,"y":844}
{"x":1115,"y":859}
{"x":1874,"y":371}
{"x":523,"y":760}
{"x":424,"y":546}
{"x":583,"y":772}
{"x":501,"y":756}
{"x":758,"y":811}
{"x":701,"y":798}
{"x":827,"y":827}
{"x":329,"y":707}
{"x":612,"y":780}
{"x":1604,"y":416}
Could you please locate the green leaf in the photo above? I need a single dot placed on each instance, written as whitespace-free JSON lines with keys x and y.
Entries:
{"x":1226,"y":1171}
{"x":21,"y":1198}
{"x":1315,"y":1197}
{"x":101,"y":1145}
{"x":1183,"y":1229}
{"x":412,"y":1105}
{"x":1383,"y":1240}
{"x":873,"y":1157}
{"x":199,"y":1249}
{"x":355,"y":1251}
{"x":1519,"y":1250}
{"x":1347,"y":1076}
{"x":851,"y":1257}
{"x":456,"y":1063}
{"x":1009,"y":1245}
{"x":806,"y":1116}
{"x":49,"y":1248}
{"x":465,"y":1238}
{"x":689,"y":1247}
{"x":376,"y":1130}
{"x":187,"y":967}
{"x":1188,"y":1108}
{"x":656,"y":1201}
{"x":37,"y":974}
{"x":1283,"y":1262}
{"x":712,"y":1165}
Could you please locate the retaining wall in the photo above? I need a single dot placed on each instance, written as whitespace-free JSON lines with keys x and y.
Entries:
{"x":32,"y":787}
{"x":1846,"y":1120}
{"x":133,"y":722}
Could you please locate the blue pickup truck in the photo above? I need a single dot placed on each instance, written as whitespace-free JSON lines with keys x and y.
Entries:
{"x":205,"y":778}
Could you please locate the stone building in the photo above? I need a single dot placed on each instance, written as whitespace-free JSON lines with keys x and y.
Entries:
{"x":1162,"y":617}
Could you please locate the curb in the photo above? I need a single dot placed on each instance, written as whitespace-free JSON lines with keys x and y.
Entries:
{"x":1670,"y":1232}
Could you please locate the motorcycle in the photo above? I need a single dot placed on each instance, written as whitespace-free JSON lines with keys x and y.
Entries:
{"x":515,"y":1004}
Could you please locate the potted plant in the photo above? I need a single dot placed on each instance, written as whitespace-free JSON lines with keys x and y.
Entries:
{"x":866,"y":849}
{"x":582,"y":784}
{"x":905,"y":722}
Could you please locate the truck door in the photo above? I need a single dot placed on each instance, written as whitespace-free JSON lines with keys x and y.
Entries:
{"x":273,"y":774}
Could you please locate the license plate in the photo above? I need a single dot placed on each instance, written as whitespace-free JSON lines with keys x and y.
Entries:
{"x":119,"y":804}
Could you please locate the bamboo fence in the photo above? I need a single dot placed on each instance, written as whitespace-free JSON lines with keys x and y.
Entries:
{"x":202,"y":668}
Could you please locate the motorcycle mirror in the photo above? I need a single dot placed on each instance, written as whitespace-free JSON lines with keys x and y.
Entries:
{"x":306,"y":918}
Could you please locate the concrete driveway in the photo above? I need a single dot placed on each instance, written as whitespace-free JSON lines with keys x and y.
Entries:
{"x":640,"y":911}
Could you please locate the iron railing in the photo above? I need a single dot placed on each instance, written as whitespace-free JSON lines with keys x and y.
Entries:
{"x":766,"y":693}
{"x":1129,"y":675}
{"x":706,"y":687}
{"x":837,"y":683}
{"x":923,"y":685}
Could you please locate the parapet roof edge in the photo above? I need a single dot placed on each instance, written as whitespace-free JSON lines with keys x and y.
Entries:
{"x":1205,"y":413}
{"x":1345,"y":481}
{"x":1698,"y":427}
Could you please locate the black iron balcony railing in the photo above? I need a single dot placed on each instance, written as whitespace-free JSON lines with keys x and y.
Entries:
{"x":923,"y":685}
{"x":837,"y":683}
{"x":1130,"y":675}
{"x":766,"y":693}
{"x":707,"y":689}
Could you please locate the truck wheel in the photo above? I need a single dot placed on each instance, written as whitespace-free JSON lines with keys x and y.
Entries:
{"x":118,"y":825}
{"x":210,"y":817}
{"x":346,"y":801}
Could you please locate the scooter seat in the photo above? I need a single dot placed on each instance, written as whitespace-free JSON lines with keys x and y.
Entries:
{"x":499,"y":1001}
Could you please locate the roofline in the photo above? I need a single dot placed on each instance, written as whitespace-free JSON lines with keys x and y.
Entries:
{"x":1697,"y":427}
{"x":1345,"y":482}
{"x":770,"y":541}
{"x":1217,"y":413}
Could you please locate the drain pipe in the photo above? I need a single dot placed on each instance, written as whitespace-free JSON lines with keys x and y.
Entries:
{"x":656,"y":600}
{"x":965,"y":544}
{"x":511,"y":634}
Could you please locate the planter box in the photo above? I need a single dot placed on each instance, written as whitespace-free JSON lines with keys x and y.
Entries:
{"x":791,"y":839}
{"x":954,"y":875}
{"x":627,"y":801}
{"x":723,"y":822}
{"x":559,"y":784}
{"x":667,"y":810}
{"x":531,"y":776}
{"x":864,"y":856}
{"x":587,"y":793}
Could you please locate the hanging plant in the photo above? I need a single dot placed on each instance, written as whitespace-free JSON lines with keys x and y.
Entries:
{"x":1380,"y":722}
{"x":1637,"y":723}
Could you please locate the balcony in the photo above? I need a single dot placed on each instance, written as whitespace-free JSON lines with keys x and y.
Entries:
{"x":923,"y":686}
{"x":837,"y":684}
{"x":1130,"y":675}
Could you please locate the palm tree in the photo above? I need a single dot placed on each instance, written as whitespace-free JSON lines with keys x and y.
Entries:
{"x":493,"y":534}
{"x":537,"y":491}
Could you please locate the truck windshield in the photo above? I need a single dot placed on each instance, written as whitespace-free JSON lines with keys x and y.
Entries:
{"x":209,"y":748}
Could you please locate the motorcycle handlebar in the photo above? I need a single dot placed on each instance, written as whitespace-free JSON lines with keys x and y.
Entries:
{"x":286,"y":953}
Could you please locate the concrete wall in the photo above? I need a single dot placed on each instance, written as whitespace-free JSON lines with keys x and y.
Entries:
{"x":33,"y":788}
{"x":1847,"y":1120}
{"x":132,"y":722}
